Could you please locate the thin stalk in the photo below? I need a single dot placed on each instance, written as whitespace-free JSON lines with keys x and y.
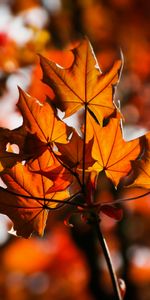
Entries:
{"x":46,"y":199}
{"x":121,"y":200}
{"x":84,"y":147}
{"x":108,"y":259}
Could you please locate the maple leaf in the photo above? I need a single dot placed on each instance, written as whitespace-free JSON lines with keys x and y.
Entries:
{"x":72,"y":153}
{"x":7,"y":157}
{"x":41,"y":127}
{"x":41,"y":119}
{"x":7,"y":160}
{"x":60,"y":176}
{"x":25,"y":203}
{"x":75,"y":156}
{"x":142,"y":168}
{"x":112,"y":212}
{"x":112,"y":152}
{"x":83,"y":84}
{"x":37,"y":88}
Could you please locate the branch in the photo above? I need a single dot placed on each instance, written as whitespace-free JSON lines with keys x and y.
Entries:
{"x":107,"y":258}
{"x":47,"y":199}
{"x":84,"y":147}
{"x":124,"y":199}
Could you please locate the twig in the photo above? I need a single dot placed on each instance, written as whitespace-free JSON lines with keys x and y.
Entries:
{"x":108,"y":259}
{"x":45,"y":199}
{"x":121,"y":200}
{"x":84,"y":148}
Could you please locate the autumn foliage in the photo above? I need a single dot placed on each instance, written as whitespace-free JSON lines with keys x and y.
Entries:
{"x":58,"y":164}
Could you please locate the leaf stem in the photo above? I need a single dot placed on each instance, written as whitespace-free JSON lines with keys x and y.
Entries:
{"x":107,"y":258}
{"x":46,"y":199}
{"x":84,"y":147}
{"x":125,"y":199}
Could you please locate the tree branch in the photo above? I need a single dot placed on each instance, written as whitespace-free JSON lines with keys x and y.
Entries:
{"x":107,"y":258}
{"x":121,"y":200}
{"x":84,"y":148}
{"x":47,"y":199}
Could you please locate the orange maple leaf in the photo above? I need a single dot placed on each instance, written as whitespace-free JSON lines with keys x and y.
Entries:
{"x":141,"y":168}
{"x":7,"y":157}
{"x":40,"y":119}
{"x":41,"y":124}
{"x":37,"y":88}
{"x":27,"y":204}
{"x":60,"y":176}
{"x":111,"y":152}
{"x":72,"y":153}
{"x":83,"y":84}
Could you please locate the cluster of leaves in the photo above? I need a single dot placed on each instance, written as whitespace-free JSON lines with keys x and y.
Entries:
{"x":58,"y":164}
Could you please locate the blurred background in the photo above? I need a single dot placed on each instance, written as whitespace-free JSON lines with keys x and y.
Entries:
{"x":67,"y":264}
